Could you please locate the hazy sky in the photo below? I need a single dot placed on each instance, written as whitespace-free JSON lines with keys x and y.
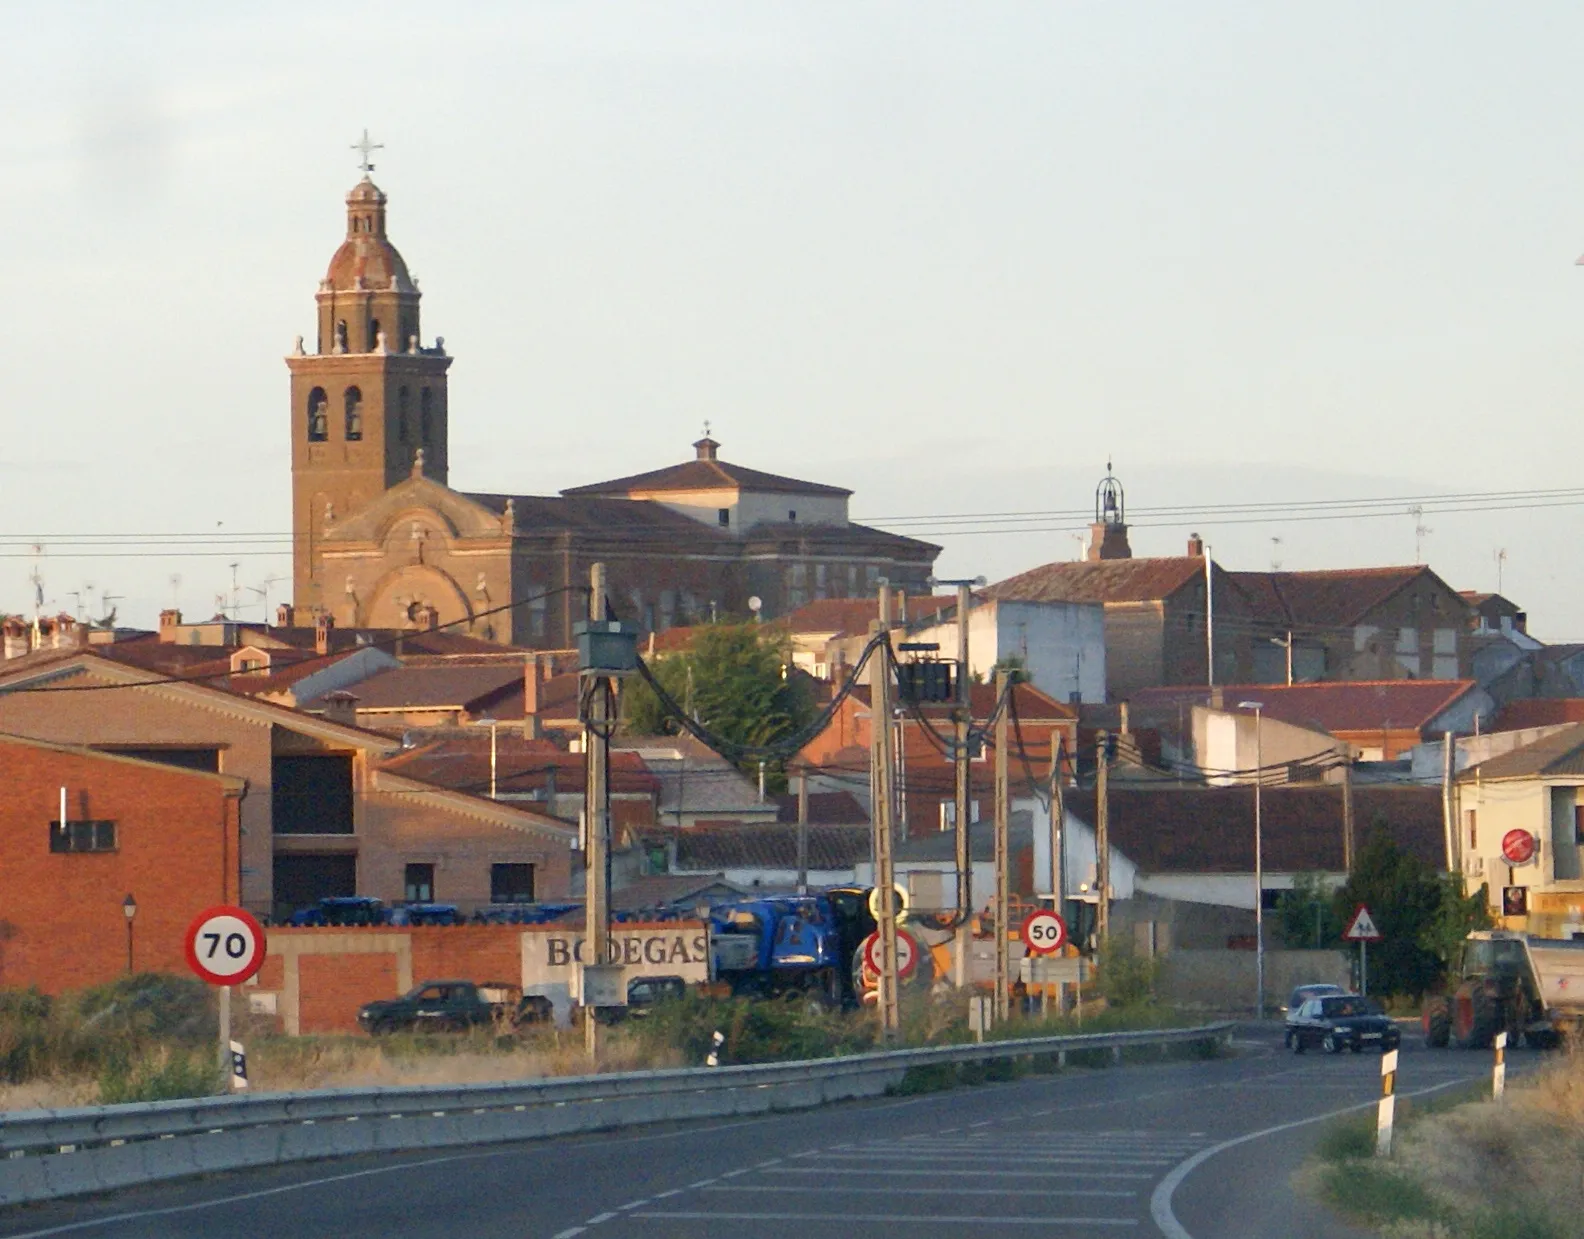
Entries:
{"x":951,"y":256}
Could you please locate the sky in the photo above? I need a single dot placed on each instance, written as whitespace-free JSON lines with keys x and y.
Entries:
{"x":954,"y":257}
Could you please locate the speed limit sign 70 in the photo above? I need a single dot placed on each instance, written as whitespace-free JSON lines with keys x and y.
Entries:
{"x":225,"y":945}
{"x":1044,"y":933}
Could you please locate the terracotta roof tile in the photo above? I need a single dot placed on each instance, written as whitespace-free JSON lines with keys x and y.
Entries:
{"x":771,"y":847}
{"x":1107,"y":580}
{"x":1327,"y":705}
{"x":1561,"y":752}
{"x":431,"y":687}
{"x":825,"y":809}
{"x":1538,"y":712}
{"x":706,"y":475}
{"x":1337,"y":598}
{"x":851,"y":617}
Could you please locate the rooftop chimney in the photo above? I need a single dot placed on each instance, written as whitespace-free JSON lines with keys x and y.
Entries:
{"x":429,"y":617}
{"x":706,"y":448}
{"x":531,"y":681}
{"x":1195,"y":546}
{"x":341,"y":707}
{"x":285,"y":616}
{"x":169,"y":622}
{"x":324,"y":627}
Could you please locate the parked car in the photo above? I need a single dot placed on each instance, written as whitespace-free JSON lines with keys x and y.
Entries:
{"x":1300,"y":996}
{"x":454,"y":1006}
{"x":643,"y":993}
{"x":1342,"y":1022}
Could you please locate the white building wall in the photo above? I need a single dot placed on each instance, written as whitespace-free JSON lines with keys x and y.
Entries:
{"x":1081,"y":854}
{"x":1061,"y":644}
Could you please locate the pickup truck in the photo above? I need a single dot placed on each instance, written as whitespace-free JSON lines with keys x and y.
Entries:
{"x":454,"y":1006}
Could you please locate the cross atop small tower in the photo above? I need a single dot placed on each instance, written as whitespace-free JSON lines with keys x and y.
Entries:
{"x":367,"y":147}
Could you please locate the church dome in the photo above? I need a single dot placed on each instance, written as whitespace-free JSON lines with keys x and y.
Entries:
{"x":367,"y":260}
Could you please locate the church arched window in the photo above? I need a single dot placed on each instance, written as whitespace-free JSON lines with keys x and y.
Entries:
{"x":374,"y":334}
{"x":403,"y":399}
{"x":354,"y":414}
{"x":318,"y":416}
{"x":426,"y":414}
{"x":341,"y":336}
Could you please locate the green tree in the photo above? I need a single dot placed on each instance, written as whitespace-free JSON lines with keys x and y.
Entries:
{"x":1307,"y":916}
{"x":732,"y":680}
{"x":1422,"y":915}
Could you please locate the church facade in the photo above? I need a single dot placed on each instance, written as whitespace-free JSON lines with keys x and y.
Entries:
{"x":381,"y":540}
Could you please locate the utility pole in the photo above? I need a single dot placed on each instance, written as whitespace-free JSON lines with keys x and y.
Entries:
{"x":596,"y":895}
{"x":1003,"y":902}
{"x":1102,"y":838}
{"x":1058,"y":836}
{"x":1347,"y":809}
{"x":884,"y":787}
{"x":1209,"y":619}
{"x":964,"y":773}
{"x":1448,"y":813}
{"x":1259,"y":858}
{"x":802,"y":834}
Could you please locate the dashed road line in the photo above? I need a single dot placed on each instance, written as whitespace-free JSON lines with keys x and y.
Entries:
{"x":885,"y":1218}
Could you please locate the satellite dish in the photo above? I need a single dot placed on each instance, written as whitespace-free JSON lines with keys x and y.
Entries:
{"x":755,"y":604}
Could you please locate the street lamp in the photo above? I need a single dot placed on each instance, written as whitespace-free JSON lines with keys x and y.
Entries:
{"x":129,"y":910}
{"x":1259,"y":865}
{"x":491,"y":724}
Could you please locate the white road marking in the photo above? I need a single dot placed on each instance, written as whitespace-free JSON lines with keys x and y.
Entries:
{"x":879,"y":1156}
{"x":913,"y":1190}
{"x":633,"y":1204}
{"x":675,"y":1191}
{"x":933,"y":1219}
{"x":598,"y":1218}
{"x":732,"y":1174}
{"x":569,"y":1232}
{"x":895,"y":1171}
{"x":701,"y":1183}
{"x":1160,"y":1199}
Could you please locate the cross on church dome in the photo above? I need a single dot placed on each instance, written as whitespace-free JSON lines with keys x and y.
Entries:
{"x":367,"y":148}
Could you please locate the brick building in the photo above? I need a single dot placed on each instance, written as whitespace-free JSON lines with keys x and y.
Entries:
{"x":380,"y":538}
{"x":321,"y":816}
{"x":167,"y":837}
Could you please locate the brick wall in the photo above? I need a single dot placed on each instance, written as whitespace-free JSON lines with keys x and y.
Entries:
{"x":333,"y":987}
{"x":62,"y":925}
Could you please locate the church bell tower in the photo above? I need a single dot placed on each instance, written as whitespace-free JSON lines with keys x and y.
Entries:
{"x":369,"y":398}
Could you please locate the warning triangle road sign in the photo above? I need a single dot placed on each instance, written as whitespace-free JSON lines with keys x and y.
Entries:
{"x":1362,"y":927}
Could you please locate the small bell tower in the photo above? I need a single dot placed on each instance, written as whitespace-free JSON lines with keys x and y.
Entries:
{"x":370,"y":400}
{"x":1108,"y":535}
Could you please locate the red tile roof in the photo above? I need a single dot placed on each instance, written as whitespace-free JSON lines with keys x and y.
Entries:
{"x":851,"y":617}
{"x":433,"y":687}
{"x":1106,"y":580}
{"x":1328,"y":705}
{"x":1337,"y":598}
{"x":1560,"y":753}
{"x":771,"y":847}
{"x":825,"y":809}
{"x":1538,"y":712}
{"x":461,"y":761}
{"x":1032,"y":704}
{"x":706,"y":475}
{"x":1211,"y":829}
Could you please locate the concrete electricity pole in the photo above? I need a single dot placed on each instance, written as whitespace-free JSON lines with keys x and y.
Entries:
{"x":1259,"y":859}
{"x":596,"y":895}
{"x":1102,"y":838}
{"x":962,"y":806}
{"x":884,"y":788}
{"x":1003,"y":909}
{"x":1347,"y":808}
{"x":1058,"y":838}
{"x":802,"y":834}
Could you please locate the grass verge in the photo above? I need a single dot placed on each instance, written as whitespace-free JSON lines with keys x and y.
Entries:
{"x":1464,"y":1165}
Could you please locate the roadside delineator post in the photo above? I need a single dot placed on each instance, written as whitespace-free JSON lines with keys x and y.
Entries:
{"x":718,"y":1040}
{"x":1499,"y":1071}
{"x":1388,"y":1104}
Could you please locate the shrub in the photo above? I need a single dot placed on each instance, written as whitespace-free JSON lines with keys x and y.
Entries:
{"x":1126,"y":978}
{"x":164,"y":1075}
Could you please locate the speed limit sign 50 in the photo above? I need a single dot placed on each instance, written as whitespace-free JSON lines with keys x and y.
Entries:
{"x":1044,"y":933}
{"x":225,"y":945}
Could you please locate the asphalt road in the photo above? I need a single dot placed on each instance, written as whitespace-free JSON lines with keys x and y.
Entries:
{"x":1200,"y":1149}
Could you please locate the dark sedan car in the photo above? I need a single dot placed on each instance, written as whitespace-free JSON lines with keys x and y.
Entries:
{"x":1300,"y":996}
{"x":1348,"y":1022}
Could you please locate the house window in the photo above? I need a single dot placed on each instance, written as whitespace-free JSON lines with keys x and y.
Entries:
{"x":538,"y":611}
{"x":1473,"y":829}
{"x":418,"y":884}
{"x":791,"y":514}
{"x":511,"y":883}
{"x":426,"y":415}
{"x":723,"y":516}
{"x":403,"y":400}
{"x":1578,"y":823}
{"x":82,"y":837}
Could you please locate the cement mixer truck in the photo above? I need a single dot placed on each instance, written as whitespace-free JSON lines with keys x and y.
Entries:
{"x":1530,"y":988}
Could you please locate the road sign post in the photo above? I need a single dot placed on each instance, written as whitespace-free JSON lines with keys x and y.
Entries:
{"x":1361,"y":929}
{"x":225,"y":947}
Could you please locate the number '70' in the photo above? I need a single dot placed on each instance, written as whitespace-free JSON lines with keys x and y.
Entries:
{"x":235,"y":945}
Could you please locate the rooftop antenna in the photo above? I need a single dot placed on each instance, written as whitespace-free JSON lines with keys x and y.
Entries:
{"x":262,"y":590}
{"x":37,"y":578}
{"x":1420,"y":531}
{"x":175,"y":584}
{"x":1500,"y":556}
{"x":1276,"y":554}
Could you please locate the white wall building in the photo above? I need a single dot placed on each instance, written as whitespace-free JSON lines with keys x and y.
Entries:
{"x":1060,"y":644}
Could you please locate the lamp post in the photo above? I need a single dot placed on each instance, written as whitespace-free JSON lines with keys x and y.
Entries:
{"x":129,"y":910}
{"x":492,"y":724}
{"x":1259,"y":865}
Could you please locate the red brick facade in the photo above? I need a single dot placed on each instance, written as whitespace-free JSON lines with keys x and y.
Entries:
{"x":174,"y":850}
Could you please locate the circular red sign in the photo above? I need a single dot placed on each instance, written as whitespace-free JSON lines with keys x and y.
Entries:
{"x":1044,"y":933}
{"x":225,"y":945}
{"x":1518,"y":846}
{"x":907,"y":954}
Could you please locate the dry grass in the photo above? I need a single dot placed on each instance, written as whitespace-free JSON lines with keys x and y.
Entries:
{"x":1485,"y":1170}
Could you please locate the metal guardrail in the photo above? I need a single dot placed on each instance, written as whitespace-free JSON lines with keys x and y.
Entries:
{"x":51,"y":1153}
